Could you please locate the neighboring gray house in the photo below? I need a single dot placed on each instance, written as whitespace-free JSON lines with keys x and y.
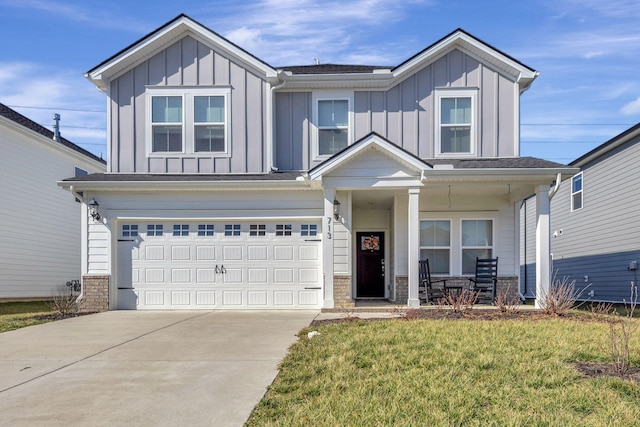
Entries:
{"x":39,"y":223}
{"x":235,"y":184}
{"x":595,"y":234}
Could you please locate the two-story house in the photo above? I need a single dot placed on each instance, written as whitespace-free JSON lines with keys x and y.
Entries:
{"x":235,"y":184}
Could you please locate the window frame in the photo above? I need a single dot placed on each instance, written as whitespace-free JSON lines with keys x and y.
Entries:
{"x":257,"y":230}
{"x":284,"y":230}
{"x":206,"y":230}
{"x":308,"y":230}
{"x":155,"y":230}
{"x":490,"y":247}
{"x":580,"y":192}
{"x":130,"y":230}
{"x":330,"y":95}
{"x":179,"y":230}
{"x":449,"y":248}
{"x":232,"y":230}
{"x":188,"y":120}
{"x":443,"y":93}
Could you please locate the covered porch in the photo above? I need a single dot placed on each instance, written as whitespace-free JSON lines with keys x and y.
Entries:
{"x":385,"y":210}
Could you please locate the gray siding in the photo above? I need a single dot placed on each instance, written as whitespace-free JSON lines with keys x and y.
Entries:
{"x":601,"y":239}
{"x":528,"y":247}
{"x":405,"y":113}
{"x":189,"y":62}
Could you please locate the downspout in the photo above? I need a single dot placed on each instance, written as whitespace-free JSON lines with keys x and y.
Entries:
{"x":556,"y":187}
{"x":272,"y":122}
{"x":524,"y":206}
{"x":84,"y":244}
{"x":76,"y":194}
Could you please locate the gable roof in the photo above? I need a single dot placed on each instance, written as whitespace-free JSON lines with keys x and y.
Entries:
{"x":607,"y":146}
{"x":166,"y":34}
{"x":25,"y":122}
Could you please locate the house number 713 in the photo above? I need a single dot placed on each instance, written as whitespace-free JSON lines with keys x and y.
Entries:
{"x":328,"y":228}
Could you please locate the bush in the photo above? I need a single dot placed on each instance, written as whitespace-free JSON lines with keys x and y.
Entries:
{"x":507,"y":303}
{"x":561,"y":297}
{"x":620,"y":331}
{"x":64,"y":304}
{"x":458,"y":302}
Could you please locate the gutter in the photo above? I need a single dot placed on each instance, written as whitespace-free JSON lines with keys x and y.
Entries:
{"x":555,"y":189}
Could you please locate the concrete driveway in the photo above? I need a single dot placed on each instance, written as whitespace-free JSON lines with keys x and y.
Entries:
{"x":144,"y":368}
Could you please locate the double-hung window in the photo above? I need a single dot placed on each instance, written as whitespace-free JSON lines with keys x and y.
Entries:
{"x":456,"y":122}
{"x":435,"y":244}
{"x":477,"y":242}
{"x":576,"y":192}
{"x":333,"y":126}
{"x":189,"y":121}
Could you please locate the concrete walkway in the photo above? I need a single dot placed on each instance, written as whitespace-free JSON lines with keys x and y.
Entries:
{"x":165,"y":368}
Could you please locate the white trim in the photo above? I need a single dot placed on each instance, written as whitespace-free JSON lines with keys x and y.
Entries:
{"x":472,"y":93}
{"x":330,"y":95}
{"x":188,"y":95}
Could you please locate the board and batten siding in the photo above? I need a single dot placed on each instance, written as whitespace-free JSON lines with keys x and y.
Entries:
{"x":192,"y":207}
{"x":405,"y":114}
{"x":40,"y":235}
{"x":189,"y":63}
{"x":601,"y":239}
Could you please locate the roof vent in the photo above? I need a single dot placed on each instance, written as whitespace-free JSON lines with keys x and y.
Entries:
{"x":56,"y":127}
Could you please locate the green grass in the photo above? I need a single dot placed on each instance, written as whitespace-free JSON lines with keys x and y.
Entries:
{"x":16,"y":315}
{"x":449,"y":373}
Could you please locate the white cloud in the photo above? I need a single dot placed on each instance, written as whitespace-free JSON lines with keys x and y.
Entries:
{"x":631,"y":108}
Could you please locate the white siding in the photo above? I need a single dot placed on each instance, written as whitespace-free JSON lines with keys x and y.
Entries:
{"x":40,"y":236}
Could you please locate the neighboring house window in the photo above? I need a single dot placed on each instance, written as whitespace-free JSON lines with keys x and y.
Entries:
{"x":80,"y":172}
{"x":283,"y":229}
{"x":232,"y":229}
{"x":154,"y":229}
{"x":576,"y":192}
{"x":333,"y":126}
{"x":257,"y":230}
{"x":205,"y":229}
{"x":188,"y":121}
{"x":308,"y":230}
{"x":166,"y":124}
{"x":477,"y":242}
{"x":435,"y":244}
{"x":456,"y":122}
{"x":180,"y":229}
{"x":129,"y":230}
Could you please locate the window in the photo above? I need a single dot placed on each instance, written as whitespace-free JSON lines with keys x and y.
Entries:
{"x":283,"y":229}
{"x":477,"y":241}
{"x":188,"y":121}
{"x":435,"y":244}
{"x":129,"y":230}
{"x":333,"y":126}
{"x":576,"y":192}
{"x":166,"y":123}
{"x":80,"y":172}
{"x":180,"y":229}
{"x":257,"y":230}
{"x":154,"y":229}
{"x":232,"y":229}
{"x":205,"y":229}
{"x":209,"y":121}
{"x":456,"y":119}
{"x":308,"y":230}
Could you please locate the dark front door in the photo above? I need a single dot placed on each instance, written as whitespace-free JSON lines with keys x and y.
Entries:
{"x":370,"y":264}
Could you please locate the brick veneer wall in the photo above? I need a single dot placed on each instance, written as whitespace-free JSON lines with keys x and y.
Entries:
{"x":342,"y":292}
{"x":402,"y":290}
{"x":505,"y":284}
{"x":95,"y":294}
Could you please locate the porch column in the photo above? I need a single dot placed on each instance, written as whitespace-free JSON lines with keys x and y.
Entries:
{"x":327,"y":247}
{"x":543,"y":243}
{"x":414,"y":247}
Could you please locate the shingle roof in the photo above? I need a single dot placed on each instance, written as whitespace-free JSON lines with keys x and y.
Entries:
{"x":332,"y":69}
{"x":496,"y":163}
{"x":30,"y":124}
{"x":146,"y":177}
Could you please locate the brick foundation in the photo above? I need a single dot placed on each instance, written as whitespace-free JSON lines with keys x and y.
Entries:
{"x":402,"y":290}
{"x":95,"y":294}
{"x":342,"y":292}
{"x":504,"y":284}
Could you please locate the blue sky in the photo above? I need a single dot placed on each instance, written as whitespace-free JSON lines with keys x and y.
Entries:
{"x":587,"y":51}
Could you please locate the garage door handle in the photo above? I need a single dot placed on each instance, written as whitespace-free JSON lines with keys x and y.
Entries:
{"x":316,"y":287}
{"x":126,"y":240}
{"x":312,"y":240}
{"x":120,"y":289}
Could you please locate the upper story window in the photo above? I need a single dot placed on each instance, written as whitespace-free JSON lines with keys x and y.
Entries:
{"x":188,"y":121}
{"x":576,"y":192}
{"x":456,"y":111}
{"x":332,"y":117}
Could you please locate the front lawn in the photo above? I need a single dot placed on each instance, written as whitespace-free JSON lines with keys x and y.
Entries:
{"x":16,"y":315}
{"x":450,"y":372}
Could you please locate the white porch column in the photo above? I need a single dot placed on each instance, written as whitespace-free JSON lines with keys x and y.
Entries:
{"x":543,"y":243}
{"x":414,"y":247}
{"x":327,"y":247}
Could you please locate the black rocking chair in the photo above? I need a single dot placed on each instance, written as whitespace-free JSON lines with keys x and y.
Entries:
{"x":426,"y":289}
{"x":486,"y":279}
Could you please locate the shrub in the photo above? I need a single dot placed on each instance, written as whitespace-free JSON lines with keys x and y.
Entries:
{"x":458,"y":302}
{"x":561,"y":297}
{"x":64,"y":304}
{"x":620,"y":331}
{"x":507,"y":303}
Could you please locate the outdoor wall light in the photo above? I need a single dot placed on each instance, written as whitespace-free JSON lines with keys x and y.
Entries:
{"x":336,"y":209}
{"x":93,"y":210}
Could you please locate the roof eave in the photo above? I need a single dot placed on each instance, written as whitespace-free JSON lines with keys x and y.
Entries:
{"x":182,"y":185}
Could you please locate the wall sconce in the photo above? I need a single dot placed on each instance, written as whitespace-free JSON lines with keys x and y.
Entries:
{"x":93,"y":210}
{"x":336,"y":209}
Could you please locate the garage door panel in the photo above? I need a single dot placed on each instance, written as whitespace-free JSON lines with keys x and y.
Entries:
{"x":191,"y":270}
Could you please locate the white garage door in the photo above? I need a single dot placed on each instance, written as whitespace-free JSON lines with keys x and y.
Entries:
{"x":188,"y":265}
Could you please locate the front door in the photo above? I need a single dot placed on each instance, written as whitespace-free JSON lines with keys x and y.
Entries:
{"x":370,"y":264}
